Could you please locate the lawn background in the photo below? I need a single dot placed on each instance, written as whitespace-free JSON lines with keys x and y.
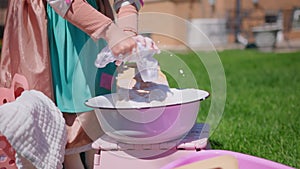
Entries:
{"x":262,"y":112}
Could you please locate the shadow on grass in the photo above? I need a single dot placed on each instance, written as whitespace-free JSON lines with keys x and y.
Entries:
{"x":214,"y":144}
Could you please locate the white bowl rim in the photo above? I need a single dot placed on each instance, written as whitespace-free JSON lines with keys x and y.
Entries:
{"x":203,"y":97}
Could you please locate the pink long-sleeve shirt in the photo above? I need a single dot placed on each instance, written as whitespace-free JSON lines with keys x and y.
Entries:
{"x":85,"y":17}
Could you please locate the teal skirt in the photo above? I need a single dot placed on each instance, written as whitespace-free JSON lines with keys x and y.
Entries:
{"x":72,"y":53}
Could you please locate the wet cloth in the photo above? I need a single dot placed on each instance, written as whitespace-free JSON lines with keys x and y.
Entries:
{"x":35,"y":128}
{"x":143,"y":57}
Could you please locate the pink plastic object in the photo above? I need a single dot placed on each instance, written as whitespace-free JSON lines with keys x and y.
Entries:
{"x":244,"y":161}
{"x":148,"y":156}
{"x":7,"y":153}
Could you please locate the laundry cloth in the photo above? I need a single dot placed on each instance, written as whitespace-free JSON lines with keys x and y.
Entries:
{"x":35,"y":128}
{"x":143,"y":56}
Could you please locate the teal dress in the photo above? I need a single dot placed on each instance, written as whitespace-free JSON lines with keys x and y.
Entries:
{"x":72,"y":53}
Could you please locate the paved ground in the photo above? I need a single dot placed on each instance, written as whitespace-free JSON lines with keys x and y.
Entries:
{"x":288,"y":46}
{"x":284,"y":46}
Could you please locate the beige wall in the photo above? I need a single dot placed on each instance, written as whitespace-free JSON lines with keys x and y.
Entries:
{"x":189,"y":9}
{"x":255,"y":14}
{"x":166,"y":24}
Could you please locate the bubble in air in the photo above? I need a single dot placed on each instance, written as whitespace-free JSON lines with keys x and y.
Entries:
{"x":181,"y":72}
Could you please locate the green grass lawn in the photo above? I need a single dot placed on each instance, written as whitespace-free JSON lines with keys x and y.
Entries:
{"x":262,"y":112}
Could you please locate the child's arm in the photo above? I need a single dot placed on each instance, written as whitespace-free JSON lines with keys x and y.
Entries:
{"x":97,"y":25}
{"x":128,"y":19}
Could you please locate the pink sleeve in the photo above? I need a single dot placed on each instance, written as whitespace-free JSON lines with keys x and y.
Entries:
{"x":128,"y":19}
{"x":60,"y":6}
{"x":118,"y":3}
{"x":88,"y":19}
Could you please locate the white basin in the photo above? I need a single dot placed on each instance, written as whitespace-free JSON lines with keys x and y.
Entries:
{"x":139,"y":122}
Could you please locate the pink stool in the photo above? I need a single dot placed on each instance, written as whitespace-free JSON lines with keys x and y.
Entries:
{"x":7,"y":153}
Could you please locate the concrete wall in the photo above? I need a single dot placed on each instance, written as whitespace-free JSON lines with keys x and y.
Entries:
{"x":191,"y":10}
{"x":252,"y":14}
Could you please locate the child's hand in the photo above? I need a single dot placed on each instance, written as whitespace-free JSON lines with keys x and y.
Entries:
{"x":124,"y":47}
{"x":147,"y":42}
{"x":118,"y":41}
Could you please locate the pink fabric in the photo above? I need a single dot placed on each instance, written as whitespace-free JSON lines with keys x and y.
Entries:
{"x":127,"y":10}
{"x":88,"y":19}
{"x":106,"y":81}
{"x":119,"y":3}
{"x":8,"y":152}
{"x":25,"y":46}
{"x":128,"y":19}
{"x":142,"y":2}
